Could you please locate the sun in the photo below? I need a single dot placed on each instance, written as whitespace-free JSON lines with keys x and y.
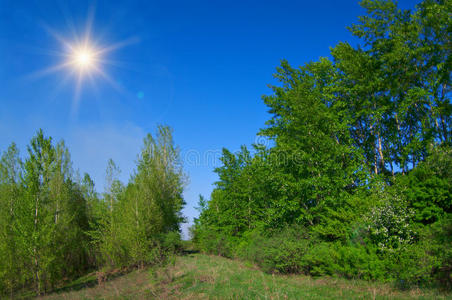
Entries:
{"x":84,"y":59}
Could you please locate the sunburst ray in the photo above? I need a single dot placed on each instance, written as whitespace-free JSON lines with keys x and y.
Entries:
{"x":82,"y":57}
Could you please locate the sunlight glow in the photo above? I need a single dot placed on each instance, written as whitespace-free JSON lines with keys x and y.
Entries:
{"x":84,"y":59}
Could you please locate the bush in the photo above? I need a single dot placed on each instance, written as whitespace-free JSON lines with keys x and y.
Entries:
{"x":428,"y":187}
{"x":358,"y":262}
{"x":279,"y":252}
{"x":320,"y":260}
{"x":411,"y":266}
{"x":438,"y":237}
{"x":172,"y":242}
{"x":217,"y":243}
{"x":427,"y":262}
{"x":389,"y":223}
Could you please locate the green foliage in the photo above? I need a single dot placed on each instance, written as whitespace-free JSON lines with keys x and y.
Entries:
{"x":280,"y":252}
{"x":54,"y":226}
{"x":45,"y":215}
{"x":136,"y":223}
{"x":412,"y":266}
{"x":428,"y":187}
{"x":358,"y":262}
{"x":359,"y":162}
{"x":172,"y":242}
{"x":437,"y":245}
{"x":216,"y":243}
{"x":320,"y":260}
{"x":389,"y":222}
{"x":10,"y":254}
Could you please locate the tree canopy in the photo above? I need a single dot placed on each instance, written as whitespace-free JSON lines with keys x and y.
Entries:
{"x":361,"y":142}
{"x":55,"y":226}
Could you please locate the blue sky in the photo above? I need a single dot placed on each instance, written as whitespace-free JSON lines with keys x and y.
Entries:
{"x":199,"y":66}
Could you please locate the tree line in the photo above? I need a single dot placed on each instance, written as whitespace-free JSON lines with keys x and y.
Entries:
{"x":357,"y":182}
{"x":54,"y":226}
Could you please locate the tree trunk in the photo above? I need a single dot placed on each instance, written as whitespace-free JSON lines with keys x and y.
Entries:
{"x":380,"y":151}
{"x":35,"y":254}
{"x":375,"y":161}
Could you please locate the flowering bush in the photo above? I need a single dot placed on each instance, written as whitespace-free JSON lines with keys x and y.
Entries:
{"x":389,"y":223}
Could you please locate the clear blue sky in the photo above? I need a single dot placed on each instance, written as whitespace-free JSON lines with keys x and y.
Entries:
{"x":199,"y":66}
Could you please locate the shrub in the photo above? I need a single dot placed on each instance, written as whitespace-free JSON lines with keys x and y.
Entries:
{"x":358,"y":262}
{"x":320,"y":260}
{"x":172,"y":242}
{"x":389,"y":223}
{"x":218,"y":243}
{"x":412,"y":266}
{"x":428,"y":187}
{"x":427,"y":262}
{"x":438,"y":237}
{"x":279,"y":252}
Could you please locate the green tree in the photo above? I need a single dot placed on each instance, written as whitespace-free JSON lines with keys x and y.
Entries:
{"x":136,"y":217}
{"x":10,"y":191}
{"x":51,"y":216}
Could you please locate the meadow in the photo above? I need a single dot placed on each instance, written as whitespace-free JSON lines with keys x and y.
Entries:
{"x":200,"y":276}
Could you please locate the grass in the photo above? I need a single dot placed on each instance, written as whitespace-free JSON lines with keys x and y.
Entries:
{"x":199,"y":276}
{"x":134,"y":285}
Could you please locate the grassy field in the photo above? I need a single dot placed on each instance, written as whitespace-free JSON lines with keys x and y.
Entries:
{"x":198,"y":276}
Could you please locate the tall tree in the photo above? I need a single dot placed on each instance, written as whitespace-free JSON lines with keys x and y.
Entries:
{"x":144,"y":210}
{"x":10,"y":192}
{"x":51,"y":215}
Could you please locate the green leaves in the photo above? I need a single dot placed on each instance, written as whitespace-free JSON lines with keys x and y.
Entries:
{"x":376,"y":113}
{"x":140,"y":214}
{"x":428,"y":187}
{"x":54,"y":227}
{"x":45,"y":214}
